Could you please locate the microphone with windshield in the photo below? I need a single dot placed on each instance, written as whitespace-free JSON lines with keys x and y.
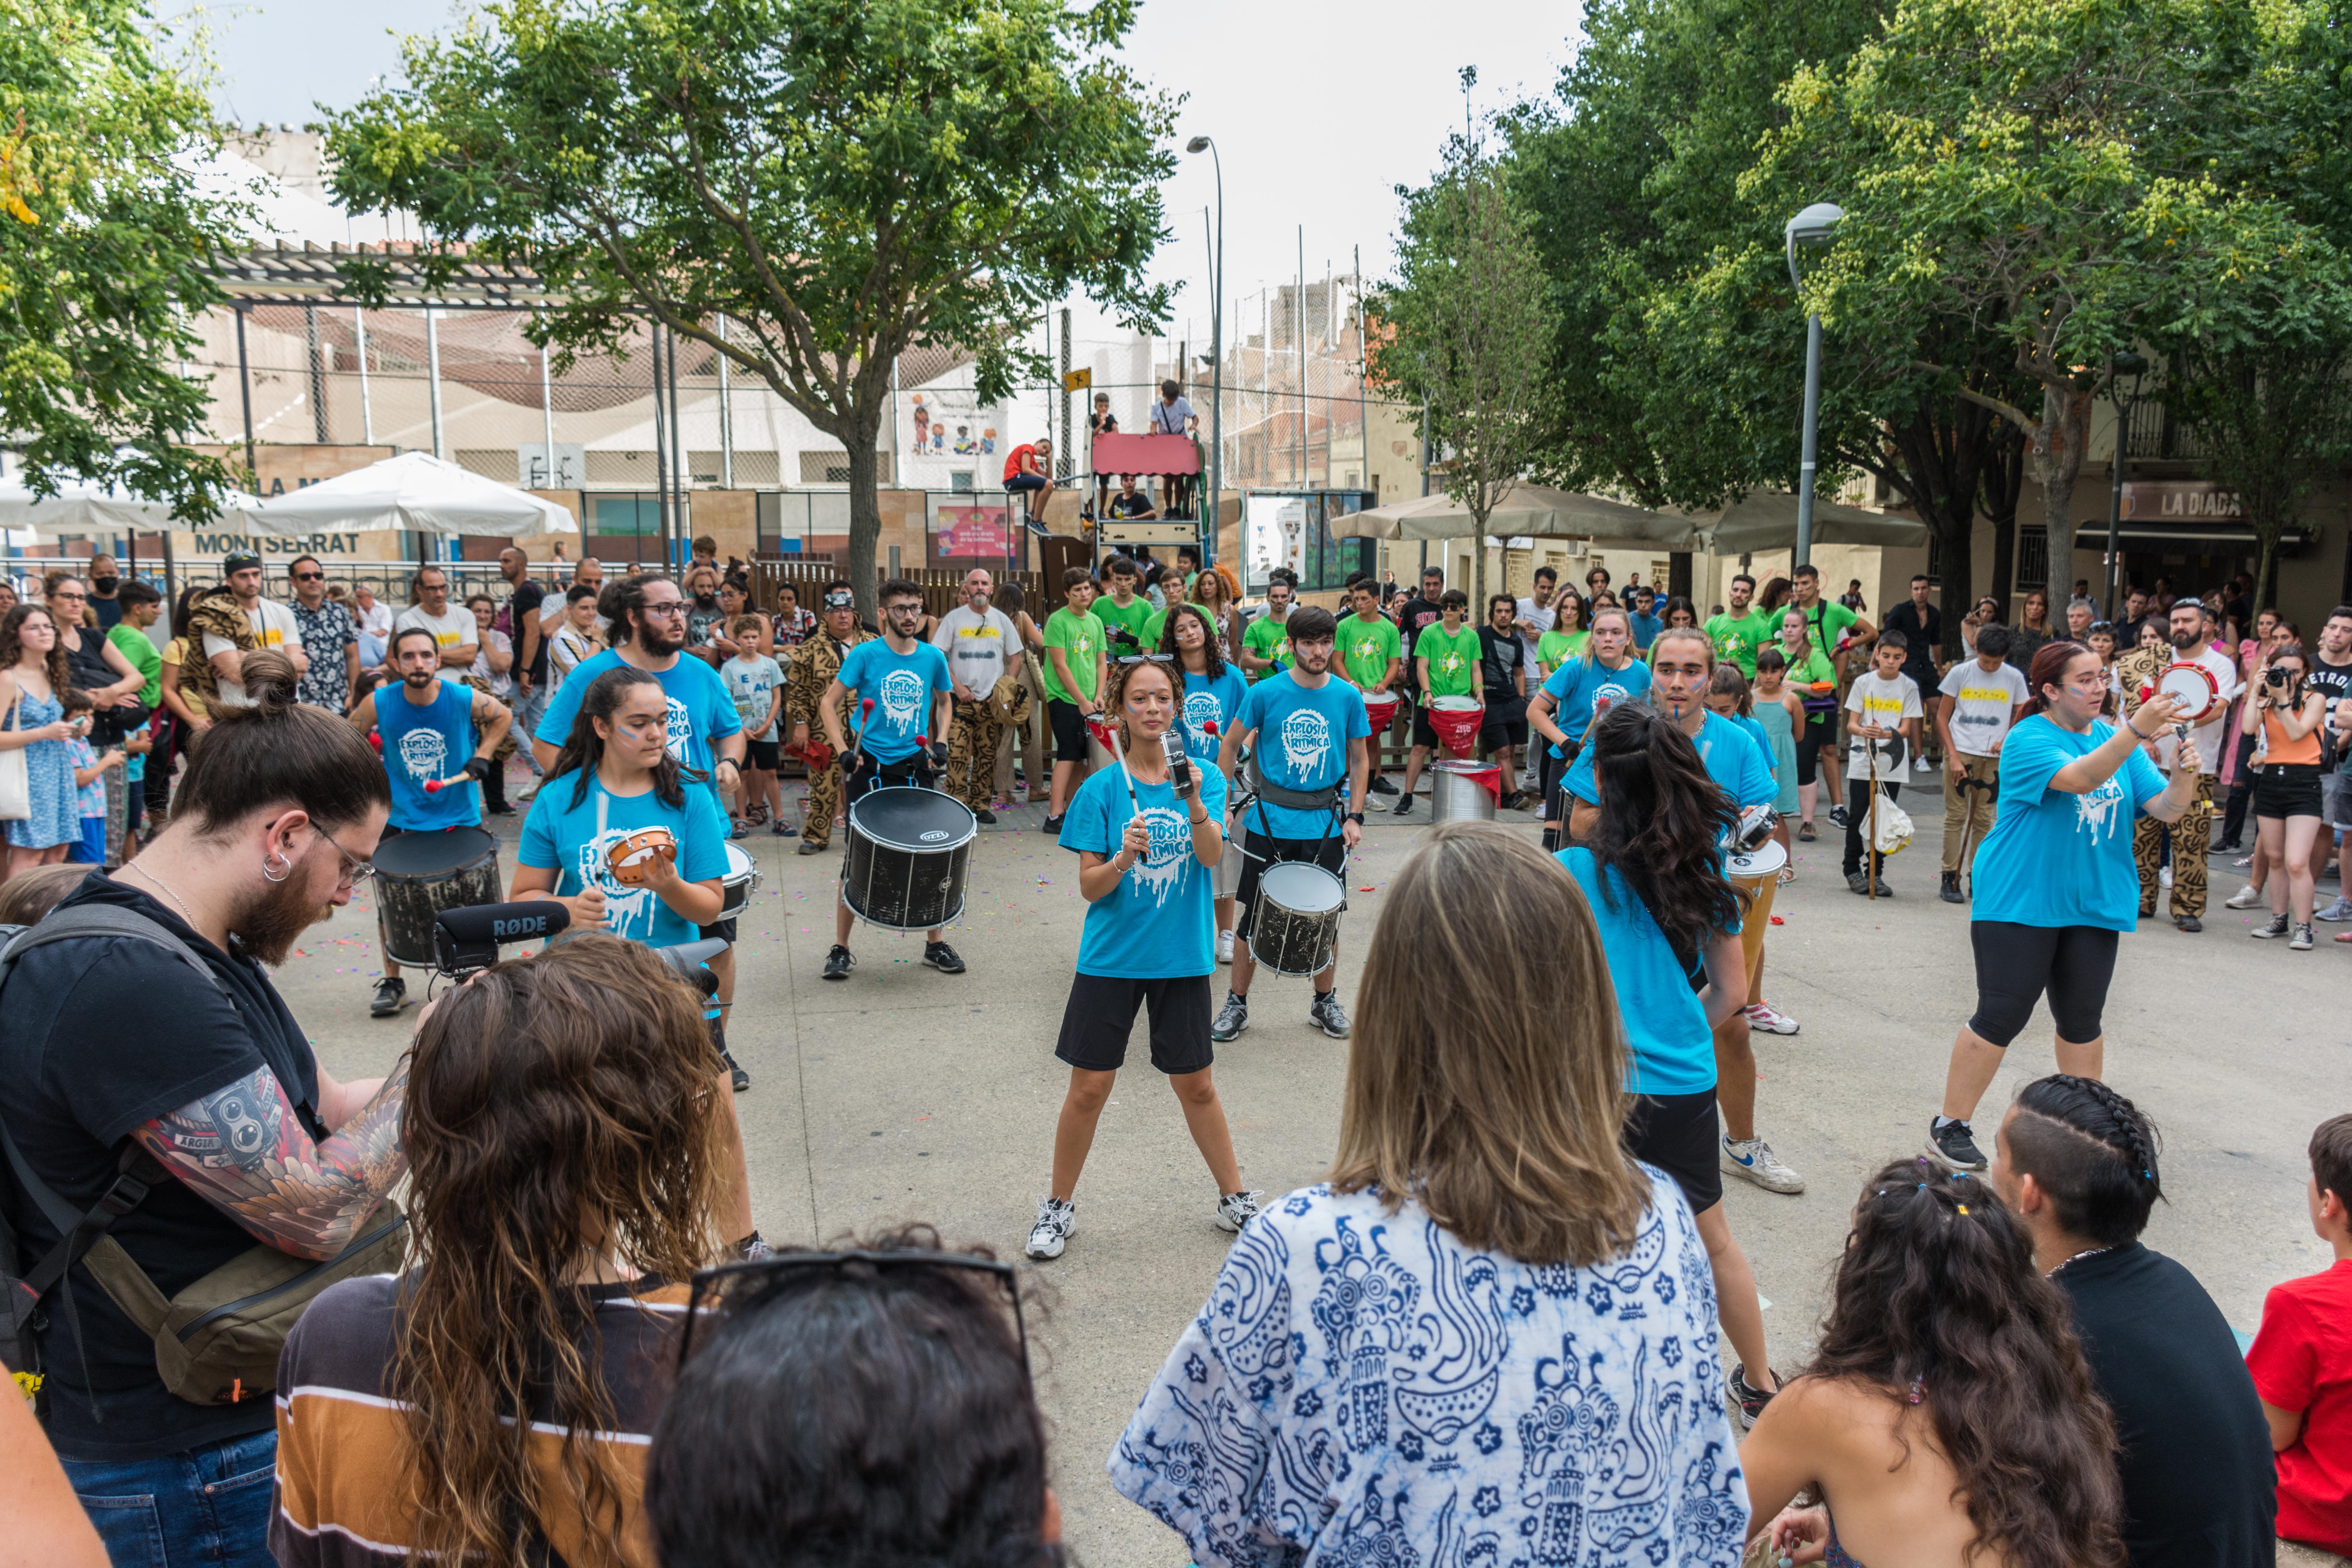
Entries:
{"x":468,"y":940}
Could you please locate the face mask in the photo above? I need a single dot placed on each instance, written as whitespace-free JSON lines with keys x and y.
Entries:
{"x":105,"y":584}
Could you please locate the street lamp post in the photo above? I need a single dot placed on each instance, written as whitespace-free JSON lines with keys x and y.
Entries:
{"x":2126,"y":363}
{"x":1812,"y":226}
{"x":1217,"y":354}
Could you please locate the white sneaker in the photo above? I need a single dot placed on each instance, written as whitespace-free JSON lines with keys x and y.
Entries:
{"x":1765,"y":1016}
{"x":1056,"y":1220}
{"x":2164,"y":878}
{"x":1224,"y":947}
{"x":2245,"y":897}
{"x":1235,"y":1210}
{"x":1754,"y":1161}
{"x":1922,"y":765}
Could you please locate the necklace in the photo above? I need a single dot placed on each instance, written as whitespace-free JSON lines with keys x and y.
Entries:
{"x":2086,"y":1252}
{"x":176,"y":898}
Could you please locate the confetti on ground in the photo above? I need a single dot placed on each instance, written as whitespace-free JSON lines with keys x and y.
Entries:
{"x":1366,"y":888}
{"x":1779,"y":922}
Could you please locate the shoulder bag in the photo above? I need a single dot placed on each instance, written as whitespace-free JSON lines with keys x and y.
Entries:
{"x":15,"y":774}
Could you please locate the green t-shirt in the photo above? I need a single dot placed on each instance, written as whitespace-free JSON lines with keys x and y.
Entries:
{"x":1152,"y":629}
{"x":1556,"y":649}
{"x":1366,"y":648}
{"x":1080,"y":638}
{"x":1267,"y":638}
{"x":1736,"y":641}
{"x":1829,"y":621}
{"x":1452,"y":660}
{"x":1135,"y":619}
{"x":142,"y":653}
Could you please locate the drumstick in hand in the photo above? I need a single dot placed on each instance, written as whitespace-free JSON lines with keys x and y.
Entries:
{"x":1119,"y":754}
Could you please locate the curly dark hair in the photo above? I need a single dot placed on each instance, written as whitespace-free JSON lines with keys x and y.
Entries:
{"x":1937,"y":1287}
{"x":12,"y":646}
{"x":2092,"y":1150}
{"x":1662,"y":822}
{"x":1214,"y":654}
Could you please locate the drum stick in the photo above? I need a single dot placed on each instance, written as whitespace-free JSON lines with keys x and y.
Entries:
{"x":435,"y":786}
{"x":1118,"y":754}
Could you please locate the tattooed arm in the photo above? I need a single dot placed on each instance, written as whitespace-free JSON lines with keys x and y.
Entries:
{"x":243,"y":1149}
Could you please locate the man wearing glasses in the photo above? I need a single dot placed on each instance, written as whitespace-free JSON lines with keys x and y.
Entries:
{"x":329,"y":639}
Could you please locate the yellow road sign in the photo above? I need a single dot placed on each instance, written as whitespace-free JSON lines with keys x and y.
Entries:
{"x":1078,"y":380}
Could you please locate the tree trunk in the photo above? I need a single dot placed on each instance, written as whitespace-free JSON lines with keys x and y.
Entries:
{"x":2057,"y":454}
{"x":2266,"y":534}
{"x":2003,"y":479}
{"x":863,"y":427}
{"x":1959,"y":573}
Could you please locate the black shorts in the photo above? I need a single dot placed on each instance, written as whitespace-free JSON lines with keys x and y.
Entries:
{"x":1507,"y":733}
{"x":1101,"y":1016}
{"x":2016,"y":964}
{"x":724,"y":931}
{"x":2287,"y":789}
{"x":761,"y":756}
{"x":1258,"y":852}
{"x":1424,"y":733}
{"x":1676,"y":1133}
{"x":1069,"y":730}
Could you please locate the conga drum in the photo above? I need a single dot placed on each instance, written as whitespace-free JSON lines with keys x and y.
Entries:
{"x":419,"y":874}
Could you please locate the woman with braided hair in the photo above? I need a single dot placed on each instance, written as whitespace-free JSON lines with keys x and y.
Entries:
{"x":1947,"y":1420}
{"x":2077,"y":1163}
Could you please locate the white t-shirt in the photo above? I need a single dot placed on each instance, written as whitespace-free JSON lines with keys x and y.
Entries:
{"x":2212,"y":735}
{"x":501,"y":685}
{"x":977,"y":646}
{"x":273,"y":626}
{"x":566,"y":646}
{"x":751,"y":680}
{"x":1170,"y":418}
{"x":375,"y":620}
{"x":1534,"y":620}
{"x":1982,"y":701}
{"x":553,"y":609}
{"x":454,"y":627}
{"x":1875,"y":699}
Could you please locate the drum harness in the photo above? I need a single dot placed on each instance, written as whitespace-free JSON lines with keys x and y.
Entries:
{"x":1262,"y":791}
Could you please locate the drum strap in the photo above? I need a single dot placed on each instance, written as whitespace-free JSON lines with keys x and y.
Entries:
{"x":1323,"y":799}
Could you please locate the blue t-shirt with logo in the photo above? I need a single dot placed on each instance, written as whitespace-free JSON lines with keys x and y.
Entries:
{"x":1582,"y":687}
{"x":1207,"y":702}
{"x":2060,"y":859}
{"x":1670,"y":1048}
{"x":902,"y":686}
{"x":1741,"y":763}
{"x":1160,"y":923}
{"x":701,"y":708}
{"x":1301,"y":744}
{"x":429,"y":741}
{"x":573,"y":840}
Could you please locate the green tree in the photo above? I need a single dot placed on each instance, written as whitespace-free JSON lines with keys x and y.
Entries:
{"x":840,"y":179}
{"x":1470,"y":329}
{"x":106,"y":240}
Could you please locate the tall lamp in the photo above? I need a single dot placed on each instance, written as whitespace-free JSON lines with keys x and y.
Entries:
{"x":2126,"y":363}
{"x":1217,"y":352}
{"x":1815,"y":225}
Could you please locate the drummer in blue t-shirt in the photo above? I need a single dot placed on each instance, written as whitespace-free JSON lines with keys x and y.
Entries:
{"x":902,"y":689}
{"x":1605,"y":674}
{"x":1306,"y":732}
{"x":427,"y":725}
{"x":1214,"y":690}
{"x":1147,"y":834}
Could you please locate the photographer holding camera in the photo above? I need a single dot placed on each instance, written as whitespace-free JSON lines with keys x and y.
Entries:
{"x":162,"y":1107}
{"x":2286,"y":714}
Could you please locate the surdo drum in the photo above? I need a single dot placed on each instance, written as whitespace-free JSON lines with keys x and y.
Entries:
{"x":1294,"y":924}
{"x":908,"y":854}
{"x":418,"y":875}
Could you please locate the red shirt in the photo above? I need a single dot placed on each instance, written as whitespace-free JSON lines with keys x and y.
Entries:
{"x":1018,"y":460}
{"x":2302,"y":1359}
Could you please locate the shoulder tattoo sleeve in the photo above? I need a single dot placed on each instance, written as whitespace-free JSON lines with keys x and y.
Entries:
{"x":244,"y":1151}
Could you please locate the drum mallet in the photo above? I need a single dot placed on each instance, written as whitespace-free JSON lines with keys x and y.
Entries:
{"x":467,"y":776}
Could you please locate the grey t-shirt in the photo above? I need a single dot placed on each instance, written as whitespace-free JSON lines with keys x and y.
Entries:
{"x":1982,"y":701}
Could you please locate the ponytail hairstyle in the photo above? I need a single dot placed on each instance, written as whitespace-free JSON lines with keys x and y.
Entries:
{"x":2094,"y":1151}
{"x":2049,"y":668}
{"x":1601,"y":613}
{"x":1662,"y":822}
{"x":583,"y":749}
{"x":1936,"y":1301}
{"x":273,"y":753}
{"x":1728,"y":681}
{"x":1214,"y":665}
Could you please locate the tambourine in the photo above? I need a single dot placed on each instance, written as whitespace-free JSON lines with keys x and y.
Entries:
{"x":630,"y":858}
{"x":2193,"y":687}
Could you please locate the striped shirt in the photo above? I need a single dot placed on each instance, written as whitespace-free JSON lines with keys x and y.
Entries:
{"x":344,"y":1469}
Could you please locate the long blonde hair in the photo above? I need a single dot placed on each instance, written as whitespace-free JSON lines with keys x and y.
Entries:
{"x":1486,"y":1078}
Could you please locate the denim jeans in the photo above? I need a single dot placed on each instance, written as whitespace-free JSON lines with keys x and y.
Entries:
{"x":528,"y":711}
{"x":207,"y":1506}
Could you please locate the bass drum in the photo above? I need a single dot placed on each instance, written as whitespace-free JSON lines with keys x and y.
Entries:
{"x":1294,"y":920}
{"x":908,"y":855}
{"x":418,"y":875}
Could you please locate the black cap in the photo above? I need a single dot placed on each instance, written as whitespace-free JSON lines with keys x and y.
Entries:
{"x":238,"y":564}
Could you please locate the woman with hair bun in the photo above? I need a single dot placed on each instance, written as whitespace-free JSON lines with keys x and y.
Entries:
{"x":2055,"y":880}
{"x":1947,"y":1420}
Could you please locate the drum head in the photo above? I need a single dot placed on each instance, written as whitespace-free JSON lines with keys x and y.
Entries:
{"x":917,"y":820}
{"x":738,"y":863}
{"x":1453,"y":705}
{"x":430,"y":854}
{"x":1304,"y":889}
{"x":2192,"y":686}
{"x":1765,"y":860}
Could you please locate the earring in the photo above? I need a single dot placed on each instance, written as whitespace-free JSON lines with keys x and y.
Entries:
{"x":284,"y":867}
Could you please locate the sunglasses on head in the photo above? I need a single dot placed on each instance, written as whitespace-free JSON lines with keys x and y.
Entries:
{"x":723,"y":1291}
{"x":1146,"y":659}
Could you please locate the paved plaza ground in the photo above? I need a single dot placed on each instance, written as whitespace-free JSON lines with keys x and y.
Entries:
{"x":908,"y":1095}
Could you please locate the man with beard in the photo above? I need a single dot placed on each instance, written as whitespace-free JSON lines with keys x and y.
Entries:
{"x":2190,"y":633}
{"x":704,"y":612}
{"x":814,"y":663}
{"x":647,"y":618}
{"x":154,"y":1082}
{"x":1742,"y":629}
{"x":1306,"y":734}
{"x":984,"y":651}
{"x":435,"y":720}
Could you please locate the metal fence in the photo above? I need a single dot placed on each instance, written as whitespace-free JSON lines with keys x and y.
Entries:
{"x":943,"y":590}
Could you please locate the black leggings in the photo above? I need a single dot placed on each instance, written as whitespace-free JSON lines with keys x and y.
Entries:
{"x":1820,"y":730}
{"x":2016,"y":964}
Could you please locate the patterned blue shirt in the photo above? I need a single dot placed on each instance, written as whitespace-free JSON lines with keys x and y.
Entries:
{"x":1361,"y":1388}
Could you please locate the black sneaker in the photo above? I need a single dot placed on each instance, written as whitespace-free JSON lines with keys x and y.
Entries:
{"x":813,"y":846}
{"x":1748,"y":1399}
{"x":986,"y":818}
{"x":1382,"y":786}
{"x":1404,"y":805}
{"x":1050,"y":825}
{"x":1950,"y":891}
{"x":742,"y":1079}
{"x":942,"y":957}
{"x":1950,"y":1146}
{"x":1838,"y":817}
{"x":839,"y":962}
{"x":1857,"y":882}
{"x":2188,"y":923}
{"x":390,"y":996}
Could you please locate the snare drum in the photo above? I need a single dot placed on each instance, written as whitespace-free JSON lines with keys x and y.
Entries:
{"x":419,"y":874}
{"x":1295,"y":919}
{"x":1381,"y":711}
{"x":908,"y":854}
{"x":741,"y":880}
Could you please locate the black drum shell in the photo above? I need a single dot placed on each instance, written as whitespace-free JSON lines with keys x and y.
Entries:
{"x":418,"y":875}
{"x":1295,"y":942}
{"x":902,"y":885}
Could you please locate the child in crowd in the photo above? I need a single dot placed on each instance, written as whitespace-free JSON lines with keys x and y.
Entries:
{"x":90,"y":779}
{"x":1885,"y":715}
{"x":2302,"y":1362}
{"x":756,"y":682}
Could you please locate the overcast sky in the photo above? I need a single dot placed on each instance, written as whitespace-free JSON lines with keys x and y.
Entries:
{"x":1320,"y":110}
